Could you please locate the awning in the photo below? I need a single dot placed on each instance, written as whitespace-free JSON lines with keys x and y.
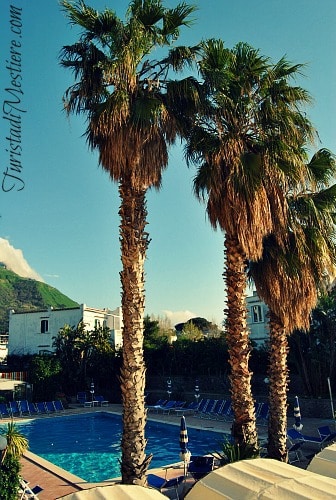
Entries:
{"x":262,"y":478}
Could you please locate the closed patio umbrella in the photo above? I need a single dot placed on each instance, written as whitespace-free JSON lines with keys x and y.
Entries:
{"x":185,"y":453}
{"x":297,"y":415}
{"x":92,"y":390}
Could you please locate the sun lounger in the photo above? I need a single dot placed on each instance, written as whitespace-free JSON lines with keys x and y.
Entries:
{"x":24,"y":407}
{"x":294,"y":453}
{"x":160,"y":483}
{"x":263,"y":414}
{"x":297,"y":437}
{"x":14,"y":409}
{"x":32,"y":408}
{"x":58,"y":405}
{"x":200,"y":466}
{"x":81,"y":397}
{"x":190,"y":409}
{"x":41,"y":407}
{"x":214,"y":411}
{"x":28,"y":493}
{"x":50,"y":407}
{"x":4,"y":411}
{"x":101,"y":400}
{"x":206,"y":408}
{"x":224,"y":411}
{"x":326,"y":434}
{"x":167,"y":406}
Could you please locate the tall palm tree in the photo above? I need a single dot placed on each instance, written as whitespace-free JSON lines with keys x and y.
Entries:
{"x":247,"y":145}
{"x":288,"y":280}
{"x":133,"y":113}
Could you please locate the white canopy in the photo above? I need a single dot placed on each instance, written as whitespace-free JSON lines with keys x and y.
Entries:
{"x":116,"y":492}
{"x":324,"y":462}
{"x":262,"y":478}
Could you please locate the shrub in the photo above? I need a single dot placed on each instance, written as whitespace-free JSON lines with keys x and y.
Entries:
{"x":9,"y":477}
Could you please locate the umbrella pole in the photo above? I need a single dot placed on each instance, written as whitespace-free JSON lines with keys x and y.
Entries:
{"x":331,"y":400}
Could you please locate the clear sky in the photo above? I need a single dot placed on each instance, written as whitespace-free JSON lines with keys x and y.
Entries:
{"x":64,"y":222}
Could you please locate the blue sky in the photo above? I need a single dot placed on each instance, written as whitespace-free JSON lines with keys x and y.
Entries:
{"x":65,"y":220}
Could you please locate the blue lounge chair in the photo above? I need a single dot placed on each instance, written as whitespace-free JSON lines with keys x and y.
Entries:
{"x":32,"y":408}
{"x":229,"y":415}
{"x":223,"y":413}
{"x":157,"y":405}
{"x":188,"y":410}
{"x":58,"y":405}
{"x":294,"y":453}
{"x":297,"y":437}
{"x":101,"y":400}
{"x":14,"y":409}
{"x":167,"y":406}
{"x":326,"y":434}
{"x":24,"y":407}
{"x":26,"y":491}
{"x":50,"y":406}
{"x":202,"y":406}
{"x":200,"y":466}
{"x":160,"y":483}
{"x":215,"y":410}
{"x":81,"y":397}
{"x":4,"y":411}
{"x":263,"y":414}
{"x":41,"y":407}
{"x":207,"y":407}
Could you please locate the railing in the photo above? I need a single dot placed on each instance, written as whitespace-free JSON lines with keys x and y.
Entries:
{"x":22,"y":376}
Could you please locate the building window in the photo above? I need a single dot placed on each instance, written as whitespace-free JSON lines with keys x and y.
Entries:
{"x":257,"y":316}
{"x":97,"y":324}
{"x":44,"y":326}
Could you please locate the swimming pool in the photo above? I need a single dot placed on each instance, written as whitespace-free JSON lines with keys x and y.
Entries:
{"x":89,"y":445}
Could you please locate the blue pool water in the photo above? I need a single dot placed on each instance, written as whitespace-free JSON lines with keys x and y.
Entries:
{"x":89,"y":445}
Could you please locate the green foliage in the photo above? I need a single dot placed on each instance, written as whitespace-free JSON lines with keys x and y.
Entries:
{"x":189,"y":358}
{"x":233,"y":452}
{"x":24,"y":294}
{"x":313,"y":354}
{"x":154,"y":334}
{"x":17,"y":443}
{"x":191,"y":332}
{"x":45,"y":373}
{"x":80,"y":353}
{"x":9,"y":477}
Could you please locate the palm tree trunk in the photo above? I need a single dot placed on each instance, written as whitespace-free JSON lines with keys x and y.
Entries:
{"x":134,"y":243}
{"x":278,"y":387}
{"x":244,"y":426}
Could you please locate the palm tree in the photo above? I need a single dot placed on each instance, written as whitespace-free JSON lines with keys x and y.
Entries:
{"x":247,"y":146}
{"x":288,"y":280}
{"x":133,"y":113}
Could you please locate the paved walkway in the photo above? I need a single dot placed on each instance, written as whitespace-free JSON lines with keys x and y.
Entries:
{"x":57,"y":483}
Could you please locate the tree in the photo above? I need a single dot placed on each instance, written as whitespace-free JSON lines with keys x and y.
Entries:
{"x":246,"y":146}
{"x":75,"y":348}
{"x":133,"y":113}
{"x":314,"y":354}
{"x":45,"y":373}
{"x":289,"y":277}
{"x":191,"y":331}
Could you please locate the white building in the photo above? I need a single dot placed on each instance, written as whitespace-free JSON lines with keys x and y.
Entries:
{"x":32,"y":332}
{"x":257,"y":320}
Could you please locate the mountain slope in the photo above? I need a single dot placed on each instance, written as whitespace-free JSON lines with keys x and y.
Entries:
{"x":25,"y":294}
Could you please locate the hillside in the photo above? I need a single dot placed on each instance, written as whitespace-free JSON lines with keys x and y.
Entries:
{"x":24,"y":294}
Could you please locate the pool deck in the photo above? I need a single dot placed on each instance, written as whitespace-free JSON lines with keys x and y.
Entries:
{"x":56,"y":482}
